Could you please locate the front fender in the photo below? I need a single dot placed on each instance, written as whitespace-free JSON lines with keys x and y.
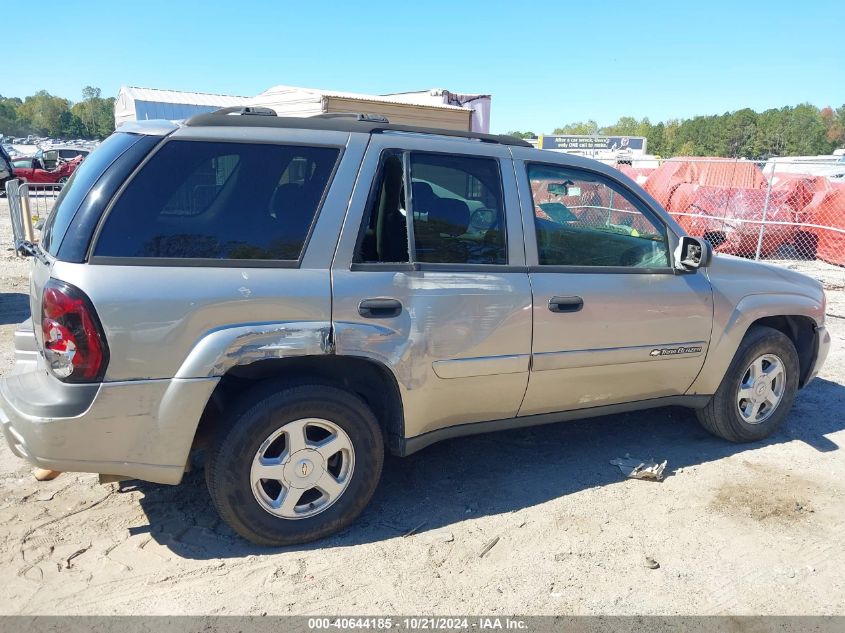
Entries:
{"x":731,"y":324}
{"x":220,"y":350}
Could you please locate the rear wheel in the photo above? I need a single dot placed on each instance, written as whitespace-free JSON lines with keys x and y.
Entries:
{"x":296,"y":464}
{"x":758,"y":389}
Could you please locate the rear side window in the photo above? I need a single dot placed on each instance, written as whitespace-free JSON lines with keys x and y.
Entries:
{"x":214,"y":200}
{"x":459,"y":215}
{"x":458,"y":211}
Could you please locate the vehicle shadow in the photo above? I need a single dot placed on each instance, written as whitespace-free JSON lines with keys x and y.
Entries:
{"x":492,"y":474}
{"x":14,"y":307}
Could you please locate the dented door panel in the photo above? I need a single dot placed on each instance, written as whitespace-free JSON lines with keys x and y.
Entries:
{"x":459,"y":349}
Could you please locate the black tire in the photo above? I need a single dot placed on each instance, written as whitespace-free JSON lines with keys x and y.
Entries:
{"x":257,"y":415}
{"x":721,"y":416}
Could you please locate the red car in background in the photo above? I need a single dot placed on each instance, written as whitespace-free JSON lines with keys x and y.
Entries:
{"x":32,"y":170}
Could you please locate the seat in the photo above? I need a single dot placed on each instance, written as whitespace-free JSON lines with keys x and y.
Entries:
{"x":437,"y":237}
{"x":289,"y":219}
{"x":424,"y":196}
{"x":449,"y":216}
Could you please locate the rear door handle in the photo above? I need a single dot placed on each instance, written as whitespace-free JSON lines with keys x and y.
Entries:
{"x":566,"y":304}
{"x":379,"y":308}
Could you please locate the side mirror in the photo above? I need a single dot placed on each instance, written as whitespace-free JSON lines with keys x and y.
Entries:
{"x":693,"y":253}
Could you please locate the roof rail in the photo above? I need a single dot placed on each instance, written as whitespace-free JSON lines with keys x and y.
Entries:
{"x":246,"y":110}
{"x":330,"y":121}
{"x":358,"y":116}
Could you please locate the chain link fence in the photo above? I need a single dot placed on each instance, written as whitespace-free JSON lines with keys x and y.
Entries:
{"x":785,"y":209}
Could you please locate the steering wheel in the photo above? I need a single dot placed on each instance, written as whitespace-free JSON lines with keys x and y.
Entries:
{"x":483,"y":219}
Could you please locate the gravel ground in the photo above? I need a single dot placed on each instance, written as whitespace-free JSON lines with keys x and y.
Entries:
{"x":737,"y":529}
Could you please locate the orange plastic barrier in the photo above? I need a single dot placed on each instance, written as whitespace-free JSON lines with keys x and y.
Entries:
{"x":708,"y":172}
{"x":827,"y":208}
{"x":730,"y":218}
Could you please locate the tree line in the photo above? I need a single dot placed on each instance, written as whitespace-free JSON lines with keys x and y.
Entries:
{"x":802,"y":130}
{"x":43,"y":114}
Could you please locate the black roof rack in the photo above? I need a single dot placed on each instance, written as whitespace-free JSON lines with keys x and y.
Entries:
{"x":246,"y":110}
{"x":358,"y":116}
{"x":341,"y":122}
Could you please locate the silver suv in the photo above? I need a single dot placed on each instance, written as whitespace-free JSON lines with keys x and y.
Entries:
{"x":297,"y":296}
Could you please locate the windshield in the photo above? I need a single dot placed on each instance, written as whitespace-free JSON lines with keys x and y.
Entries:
{"x":80,"y":183}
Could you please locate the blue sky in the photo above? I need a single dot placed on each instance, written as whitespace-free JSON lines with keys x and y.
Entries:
{"x":545,"y":63}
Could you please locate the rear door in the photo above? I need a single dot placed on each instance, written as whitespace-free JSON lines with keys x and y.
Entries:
{"x":429,"y":278}
{"x":614,"y":322}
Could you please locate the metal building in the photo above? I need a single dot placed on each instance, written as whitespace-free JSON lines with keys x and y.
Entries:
{"x":430,"y":108}
{"x":139,"y":104}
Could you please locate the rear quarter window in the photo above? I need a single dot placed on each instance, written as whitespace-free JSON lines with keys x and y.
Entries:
{"x":219,"y":201}
{"x":80,"y":183}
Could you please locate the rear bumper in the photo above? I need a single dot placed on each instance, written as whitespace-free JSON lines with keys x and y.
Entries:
{"x":140,"y":429}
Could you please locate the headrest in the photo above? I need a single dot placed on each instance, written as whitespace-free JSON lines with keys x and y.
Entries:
{"x":449,"y":216}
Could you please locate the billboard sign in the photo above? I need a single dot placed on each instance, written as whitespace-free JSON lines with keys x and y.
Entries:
{"x":574,"y":142}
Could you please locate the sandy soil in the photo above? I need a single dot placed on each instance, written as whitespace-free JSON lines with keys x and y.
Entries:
{"x":740,"y":529}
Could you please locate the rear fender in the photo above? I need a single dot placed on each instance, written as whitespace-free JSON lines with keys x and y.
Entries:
{"x":220,"y":350}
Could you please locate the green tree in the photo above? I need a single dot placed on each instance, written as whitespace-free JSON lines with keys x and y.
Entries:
{"x":96,"y":113}
{"x":10,"y":123}
{"x":793,"y":130}
{"x":656,"y":137}
{"x":834,"y":122}
{"x":625,"y":126}
{"x":582,"y":128}
{"x":43,"y":111}
{"x":70,"y":125}
{"x":516,"y":134}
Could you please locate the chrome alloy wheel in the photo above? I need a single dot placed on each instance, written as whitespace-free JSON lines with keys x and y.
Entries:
{"x":302,"y":468}
{"x":761,"y":389}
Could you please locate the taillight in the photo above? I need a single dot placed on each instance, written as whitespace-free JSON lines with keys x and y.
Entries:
{"x":74,"y":343}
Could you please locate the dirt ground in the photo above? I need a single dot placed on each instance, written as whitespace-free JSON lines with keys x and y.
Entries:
{"x":739,"y":529}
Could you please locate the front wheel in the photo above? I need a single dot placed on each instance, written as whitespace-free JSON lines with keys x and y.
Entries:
{"x":758,"y":389}
{"x":294,"y":464}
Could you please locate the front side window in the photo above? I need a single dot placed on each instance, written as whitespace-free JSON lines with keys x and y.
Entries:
{"x":582,"y":219}
{"x":215,"y":200}
{"x":458,"y":211}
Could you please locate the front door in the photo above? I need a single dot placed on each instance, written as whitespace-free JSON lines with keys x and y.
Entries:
{"x":429,"y":279}
{"x":614,"y":322}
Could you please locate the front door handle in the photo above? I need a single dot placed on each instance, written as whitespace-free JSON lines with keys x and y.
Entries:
{"x":566,"y":304}
{"x":379,"y":308}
